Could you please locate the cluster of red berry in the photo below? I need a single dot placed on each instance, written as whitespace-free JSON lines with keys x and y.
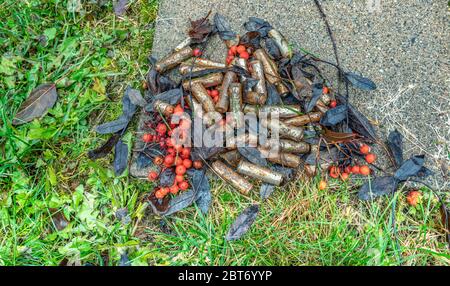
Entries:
{"x":214,"y":93}
{"x":177,"y":156}
{"x":237,"y":50}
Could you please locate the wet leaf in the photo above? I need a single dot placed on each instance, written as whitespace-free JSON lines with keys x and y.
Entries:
{"x":358,"y":122}
{"x":200,"y":184}
{"x":200,"y":29}
{"x":445,"y":219}
{"x":288,"y":173}
{"x":272,"y":49}
{"x":59,"y":220}
{"x":166,"y":178}
{"x":395,"y":147}
{"x":120,"y":7}
{"x":317,"y":91}
{"x":251,"y":40}
{"x":180,"y":202}
{"x":380,"y":186}
{"x":40,"y":100}
{"x":105,"y":149}
{"x":334,"y":116}
{"x":410,"y":168}
{"x":113,"y":126}
{"x":223,"y":27}
{"x":159,"y":207}
{"x":143,"y":161}
{"x":135,"y":97}
{"x":360,"y":81}
{"x":253,"y":155}
{"x":242,"y":223}
{"x":128,"y":108}
{"x":273,"y":97}
{"x":259,"y":25}
{"x":266,"y":190}
{"x":199,"y":153}
{"x":120,"y":157}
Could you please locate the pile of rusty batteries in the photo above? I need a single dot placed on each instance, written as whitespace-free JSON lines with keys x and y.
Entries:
{"x":249,"y":83}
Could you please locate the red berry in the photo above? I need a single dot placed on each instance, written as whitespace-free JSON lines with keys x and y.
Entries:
{"x":355,"y":170}
{"x":333,"y":104}
{"x":183,"y":186}
{"x":413,"y":198}
{"x":180,"y":170}
{"x":348,"y":169}
{"x":185,"y":153}
{"x":174,"y":189}
{"x":162,"y":144}
{"x":325,"y":90}
{"x":198,"y":164}
{"x":241,"y":49}
{"x":165,"y":190}
{"x":197,"y":52}
{"x":244,"y":55}
{"x":214,"y":92}
{"x":344,"y":176}
{"x":171,"y":151}
{"x":158,"y":160}
{"x":161,"y":128}
{"x":159,"y":195}
{"x":169,"y":142}
{"x":152,"y":176}
{"x":334,"y":172}
{"x":187,"y":163}
{"x":178,"y":111}
{"x":322,"y":185}
{"x":370,"y":158}
{"x":233,"y":49}
{"x":230,"y":53}
{"x":169,"y":160}
{"x":364,"y":170}
{"x":147,"y":138}
{"x":215,"y":99}
{"x":229,"y":60}
{"x":179,"y":178}
{"x":209,"y":92}
{"x":364,"y":149}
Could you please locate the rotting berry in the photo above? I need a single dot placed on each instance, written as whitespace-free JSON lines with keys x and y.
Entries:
{"x":322,"y":185}
{"x":158,"y":160}
{"x":413,"y":198}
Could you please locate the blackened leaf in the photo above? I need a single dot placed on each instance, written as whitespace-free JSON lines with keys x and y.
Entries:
{"x":159,"y":206}
{"x":259,"y":25}
{"x":180,"y":202}
{"x":334,"y":115}
{"x":165,"y":83}
{"x":242,"y":223}
{"x":241,"y":72}
{"x":143,"y":161}
{"x":395,"y":147}
{"x":380,"y":186}
{"x":171,"y":96}
{"x":200,"y":185}
{"x":124,"y":260}
{"x":120,"y":157}
{"x":113,"y":126}
{"x":410,"y":168}
{"x":135,"y":97}
{"x":199,"y":153}
{"x":288,"y":173}
{"x":120,"y":7}
{"x":251,"y":40}
{"x":59,"y":220}
{"x":105,"y":149}
{"x":272,"y":49}
{"x":152,"y":78}
{"x":167,"y":178}
{"x":445,"y":219}
{"x":317,"y":92}
{"x":40,"y":100}
{"x":424,"y":172}
{"x":273,"y":97}
{"x":266,"y":190}
{"x":202,"y":73}
{"x":249,"y":83}
{"x":128,"y":108}
{"x":253,"y":155}
{"x":200,"y":29}
{"x":360,"y":81}
{"x":223,"y":28}
{"x":358,"y":122}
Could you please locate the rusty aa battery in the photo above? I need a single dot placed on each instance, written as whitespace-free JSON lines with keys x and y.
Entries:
{"x":284,"y":130}
{"x":235,"y":90}
{"x":304,"y":119}
{"x":282,"y":89}
{"x":232,"y":157}
{"x":281,"y":158}
{"x":236,"y":180}
{"x":289,"y":146}
{"x":281,"y":43}
{"x":321,"y":106}
{"x":258,"y":73}
{"x":261,"y":173}
{"x":173,"y":59}
{"x":205,"y":63}
{"x":185,"y":43}
{"x":200,"y":93}
{"x":269,"y":66}
{"x":242,"y":63}
{"x":186,"y":68}
{"x":163,"y":107}
{"x":207,"y":81}
{"x":224,"y":96}
{"x":252,"y":97}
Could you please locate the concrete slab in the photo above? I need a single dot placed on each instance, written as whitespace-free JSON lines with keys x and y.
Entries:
{"x":401,"y":45}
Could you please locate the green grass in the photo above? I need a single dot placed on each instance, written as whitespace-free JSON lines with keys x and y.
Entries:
{"x":92,"y":56}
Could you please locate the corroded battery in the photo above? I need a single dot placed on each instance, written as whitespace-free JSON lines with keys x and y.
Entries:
{"x":200,"y":93}
{"x":224,"y":94}
{"x":261,"y":173}
{"x":284,"y":130}
{"x":174,"y":59}
{"x":233,"y":178}
{"x":210,"y":80}
{"x":304,"y":119}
